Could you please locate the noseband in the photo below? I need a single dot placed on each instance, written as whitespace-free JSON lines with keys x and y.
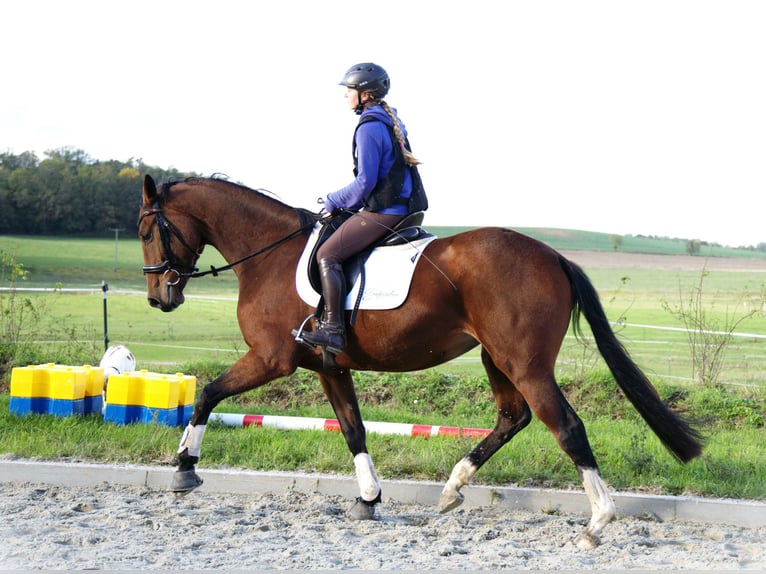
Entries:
{"x":171,"y":264}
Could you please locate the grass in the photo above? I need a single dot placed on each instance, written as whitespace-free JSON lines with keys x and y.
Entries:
{"x":203,"y":338}
{"x":630,"y":456}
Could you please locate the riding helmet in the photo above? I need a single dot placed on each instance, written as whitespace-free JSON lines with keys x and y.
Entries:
{"x":367,"y":77}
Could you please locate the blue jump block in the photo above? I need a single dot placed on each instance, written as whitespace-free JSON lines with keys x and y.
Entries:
{"x":48,"y":406}
{"x":127,"y":414}
{"x":94,"y":404}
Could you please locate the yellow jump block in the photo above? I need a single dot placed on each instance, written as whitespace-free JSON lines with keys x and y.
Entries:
{"x":57,"y":381}
{"x":153,"y":390}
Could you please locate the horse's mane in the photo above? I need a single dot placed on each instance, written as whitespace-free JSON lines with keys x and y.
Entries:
{"x":219,"y":178}
{"x":306,"y":217}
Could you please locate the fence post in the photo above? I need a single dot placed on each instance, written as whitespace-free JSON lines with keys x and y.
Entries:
{"x":105,"y":288}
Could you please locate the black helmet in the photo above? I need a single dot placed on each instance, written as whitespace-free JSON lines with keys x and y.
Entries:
{"x":367,"y":77}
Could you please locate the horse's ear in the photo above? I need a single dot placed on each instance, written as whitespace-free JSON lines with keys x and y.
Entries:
{"x":150,"y":189}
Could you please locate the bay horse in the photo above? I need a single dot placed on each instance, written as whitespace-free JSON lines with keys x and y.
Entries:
{"x":493,"y":287}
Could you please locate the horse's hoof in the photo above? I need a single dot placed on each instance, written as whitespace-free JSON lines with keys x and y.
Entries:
{"x":184,"y":481}
{"x":449,"y":502}
{"x":361,"y":510}
{"x":587,"y":541}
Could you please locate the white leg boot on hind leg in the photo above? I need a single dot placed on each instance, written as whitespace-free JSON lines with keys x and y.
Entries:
{"x":461,"y":475}
{"x":602,"y":508}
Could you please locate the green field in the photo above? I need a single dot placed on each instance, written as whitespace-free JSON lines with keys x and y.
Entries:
{"x":202,"y":337}
{"x":206,"y":327}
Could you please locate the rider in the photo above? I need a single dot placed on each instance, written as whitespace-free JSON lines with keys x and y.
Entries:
{"x":380,"y":196}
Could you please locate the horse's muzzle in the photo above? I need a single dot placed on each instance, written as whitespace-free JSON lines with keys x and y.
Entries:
{"x":166,"y":307}
{"x":168,"y":299}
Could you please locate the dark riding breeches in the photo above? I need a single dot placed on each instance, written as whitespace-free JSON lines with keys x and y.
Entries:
{"x":357,"y":232}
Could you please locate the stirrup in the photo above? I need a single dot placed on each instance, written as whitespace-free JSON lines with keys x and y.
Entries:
{"x":298,"y":333}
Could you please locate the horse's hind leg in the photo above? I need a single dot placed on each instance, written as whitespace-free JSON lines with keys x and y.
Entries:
{"x":512,"y":415}
{"x":601,"y":505}
{"x":339,"y":388}
{"x":551,"y":407}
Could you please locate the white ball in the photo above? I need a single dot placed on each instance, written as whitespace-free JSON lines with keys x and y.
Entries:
{"x":117,"y":360}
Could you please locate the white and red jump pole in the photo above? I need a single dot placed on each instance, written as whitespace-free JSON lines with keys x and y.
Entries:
{"x":308,"y":423}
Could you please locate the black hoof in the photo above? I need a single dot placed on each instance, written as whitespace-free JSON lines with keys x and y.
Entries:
{"x":362,"y":509}
{"x":184,"y":481}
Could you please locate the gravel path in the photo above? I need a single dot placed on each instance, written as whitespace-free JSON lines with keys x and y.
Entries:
{"x":138,"y":528}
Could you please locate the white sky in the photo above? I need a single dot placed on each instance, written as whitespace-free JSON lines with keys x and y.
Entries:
{"x":643,"y":117}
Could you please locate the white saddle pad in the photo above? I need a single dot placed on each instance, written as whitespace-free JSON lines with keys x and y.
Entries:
{"x":388,"y":274}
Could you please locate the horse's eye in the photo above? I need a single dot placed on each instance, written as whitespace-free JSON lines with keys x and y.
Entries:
{"x":146,"y":237}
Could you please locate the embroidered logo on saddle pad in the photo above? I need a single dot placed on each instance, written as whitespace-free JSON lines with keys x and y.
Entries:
{"x":387,"y":275}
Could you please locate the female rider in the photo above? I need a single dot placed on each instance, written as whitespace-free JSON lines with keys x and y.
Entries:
{"x":380,"y":195}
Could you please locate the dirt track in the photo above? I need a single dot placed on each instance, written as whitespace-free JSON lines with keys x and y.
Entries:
{"x":129,"y":528}
{"x":618,"y":260}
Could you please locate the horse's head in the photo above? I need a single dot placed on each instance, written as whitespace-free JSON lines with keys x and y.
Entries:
{"x":170,"y":248}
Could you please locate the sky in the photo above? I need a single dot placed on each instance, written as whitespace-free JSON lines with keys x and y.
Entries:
{"x":624,"y":117}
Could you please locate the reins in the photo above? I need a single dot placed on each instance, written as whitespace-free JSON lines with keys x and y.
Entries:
{"x":214,"y":271}
{"x":171,"y":263}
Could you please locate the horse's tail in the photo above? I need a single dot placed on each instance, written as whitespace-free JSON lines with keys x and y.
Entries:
{"x":675,"y":433}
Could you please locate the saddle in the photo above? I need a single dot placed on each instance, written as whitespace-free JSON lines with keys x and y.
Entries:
{"x":406,"y":231}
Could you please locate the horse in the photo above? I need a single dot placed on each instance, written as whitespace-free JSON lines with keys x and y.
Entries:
{"x":514,"y":296}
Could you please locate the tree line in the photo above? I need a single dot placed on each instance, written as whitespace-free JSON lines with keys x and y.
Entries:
{"x":69,"y":193}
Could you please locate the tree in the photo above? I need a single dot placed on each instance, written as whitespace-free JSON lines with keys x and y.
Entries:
{"x":10,"y":162}
{"x":70,"y":193}
{"x":708,"y":336}
{"x":693,"y":246}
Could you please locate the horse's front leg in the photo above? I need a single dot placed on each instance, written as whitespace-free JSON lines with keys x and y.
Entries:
{"x":339,"y":388}
{"x":247,"y":373}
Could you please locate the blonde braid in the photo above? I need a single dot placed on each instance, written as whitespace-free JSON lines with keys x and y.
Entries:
{"x":409,"y":159}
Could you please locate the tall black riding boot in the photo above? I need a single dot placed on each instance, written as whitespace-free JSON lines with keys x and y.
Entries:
{"x":331,"y":334}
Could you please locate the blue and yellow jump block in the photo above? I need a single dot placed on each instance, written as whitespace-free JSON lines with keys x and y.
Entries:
{"x":58,"y":390}
{"x":146,"y":397}
{"x":135,"y":396}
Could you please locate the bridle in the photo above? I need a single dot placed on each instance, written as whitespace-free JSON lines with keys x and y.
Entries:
{"x":171,"y":264}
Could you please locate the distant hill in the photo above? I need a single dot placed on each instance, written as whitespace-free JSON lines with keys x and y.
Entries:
{"x":574,"y":240}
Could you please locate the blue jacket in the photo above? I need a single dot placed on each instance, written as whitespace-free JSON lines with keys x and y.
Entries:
{"x":375,"y":154}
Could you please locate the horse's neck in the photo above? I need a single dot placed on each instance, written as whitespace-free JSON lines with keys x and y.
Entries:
{"x":237,"y":222}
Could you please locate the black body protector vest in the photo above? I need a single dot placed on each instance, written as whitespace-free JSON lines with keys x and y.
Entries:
{"x":388,"y":191}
